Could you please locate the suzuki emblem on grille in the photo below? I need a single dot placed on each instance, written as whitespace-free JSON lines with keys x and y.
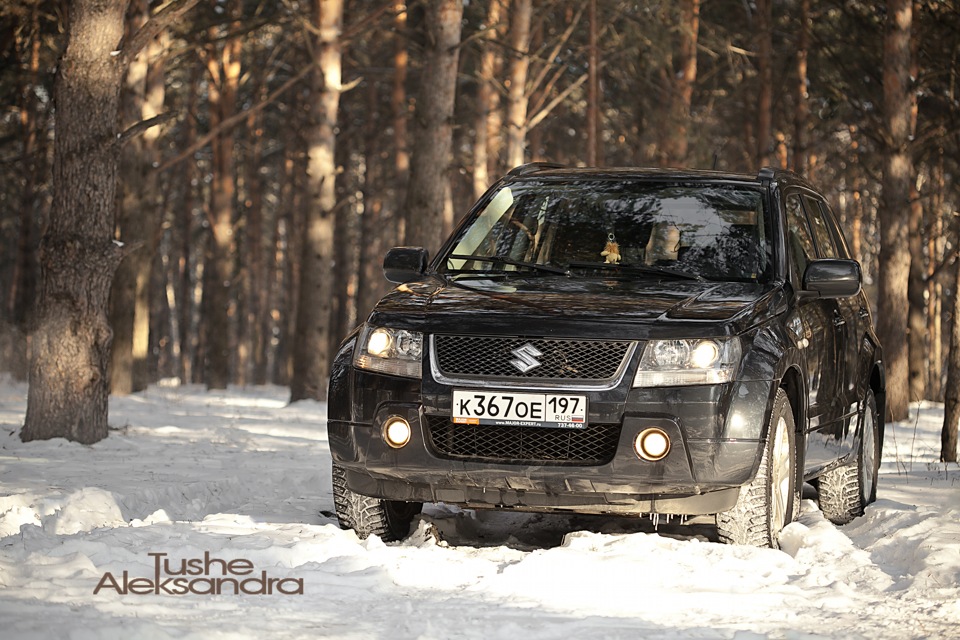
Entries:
{"x":526,"y":358}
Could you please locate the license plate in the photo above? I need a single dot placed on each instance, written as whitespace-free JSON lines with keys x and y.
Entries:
{"x":519,"y":409}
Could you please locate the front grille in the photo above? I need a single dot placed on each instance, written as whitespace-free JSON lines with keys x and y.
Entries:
{"x":593,"y":445}
{"x":466,"y":357}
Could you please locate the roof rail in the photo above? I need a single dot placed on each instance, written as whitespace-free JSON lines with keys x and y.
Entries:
{"x":766,"y":173}
{"x":533,"y":167}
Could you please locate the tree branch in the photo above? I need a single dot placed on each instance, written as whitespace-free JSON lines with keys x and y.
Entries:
{"x":235,"y":119}
{"x":167,"y":15}
{"x":138,"y":128}
{"x":537,"y":119}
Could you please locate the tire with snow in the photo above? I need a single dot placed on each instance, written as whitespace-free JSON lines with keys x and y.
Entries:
{"x":388,"y":519}
{"x":768,"y":503}
{"x":845,"y":491}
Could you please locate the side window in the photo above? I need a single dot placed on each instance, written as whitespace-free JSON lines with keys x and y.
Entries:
{"x":802,"y":249}
{"x":842,"y":247}
{"x":825,"y":242}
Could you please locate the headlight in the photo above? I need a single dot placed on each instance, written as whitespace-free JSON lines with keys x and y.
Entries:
{"x":393,"y":351}
{"x":667,"y":363}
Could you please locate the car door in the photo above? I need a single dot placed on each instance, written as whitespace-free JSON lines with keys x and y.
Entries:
{"x":837,"y":436}
{"x":818,"y":344}
{"x":855,"y":314}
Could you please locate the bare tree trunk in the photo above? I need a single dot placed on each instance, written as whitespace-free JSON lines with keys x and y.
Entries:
{"x":951,"y":401}
{"x":935,"y":249}
{"x":139,"y":216}
{"x":256,"y":337}
{"x":311,"y":354}
{"x":400,"y":111}
{"x":67,"y":395}
{"x":894,"y":241}
{"x":917,"y":321}
{"x":765,"y":72}
{"x":679,"y":84}
{"x":129,"y":216}
{"x":433,"y":127}
{"x":488,"y":99}
{"x":375,"y":228}
{"x":918,"y":350}
{"x":20,"y":297}
{"x":223,"y":63}
{"x":342,"y":308}
{"x":189,"y":259}
{"x":520,"y":17}
{"x":593,"y":91}
{"x":294,"y":223}
{"x":801,"y":115}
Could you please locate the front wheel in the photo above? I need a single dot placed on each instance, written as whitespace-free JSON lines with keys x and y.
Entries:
{"x":768,"y":503}
{"x":846,"y":491}
{"x":388,"y":519}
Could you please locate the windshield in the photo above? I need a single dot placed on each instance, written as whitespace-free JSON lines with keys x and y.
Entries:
{"x":710,"y":231}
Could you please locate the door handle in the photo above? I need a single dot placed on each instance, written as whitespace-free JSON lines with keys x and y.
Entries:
{"x":838,"y":320}
{"x":864,"y":313}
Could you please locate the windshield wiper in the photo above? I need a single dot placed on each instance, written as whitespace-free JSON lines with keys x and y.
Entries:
{"x":637,"y":268}
{"x":500,"y":260}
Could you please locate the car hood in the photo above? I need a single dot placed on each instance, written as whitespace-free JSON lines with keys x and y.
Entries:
{"x":549,"y":305}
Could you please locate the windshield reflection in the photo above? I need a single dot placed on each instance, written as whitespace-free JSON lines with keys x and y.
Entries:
{"x":712,"y":231}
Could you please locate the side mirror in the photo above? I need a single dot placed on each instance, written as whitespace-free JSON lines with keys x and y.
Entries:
{"x":832,"y":278}
{"x":403,"y":264}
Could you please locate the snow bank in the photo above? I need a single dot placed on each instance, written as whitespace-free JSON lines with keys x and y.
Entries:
{"x":215,"y":489}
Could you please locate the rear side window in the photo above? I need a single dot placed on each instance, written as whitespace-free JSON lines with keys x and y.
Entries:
{"x":825,"y":242}
{"x":843,"y":249}
{"x":802,"y":248}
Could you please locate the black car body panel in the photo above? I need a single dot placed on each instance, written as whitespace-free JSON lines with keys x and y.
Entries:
{"x":821,"y":349}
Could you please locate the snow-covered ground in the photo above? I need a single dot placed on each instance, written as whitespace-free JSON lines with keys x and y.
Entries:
{"x":234,"y":489}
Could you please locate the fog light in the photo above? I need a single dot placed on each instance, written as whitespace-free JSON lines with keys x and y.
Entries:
{"x":396,"y":431}
{"x":652,"y":444}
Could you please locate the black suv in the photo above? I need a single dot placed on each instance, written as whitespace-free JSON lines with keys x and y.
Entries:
{"x":617,"y":341}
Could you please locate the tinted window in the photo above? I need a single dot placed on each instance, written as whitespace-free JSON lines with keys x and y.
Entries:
{"x":802,"y":249}
{"x":719,"y":232}
{"x":825,"y":241}
{"x":843,"y":249}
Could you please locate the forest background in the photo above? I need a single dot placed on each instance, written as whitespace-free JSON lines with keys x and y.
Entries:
{"x":204,"y":190}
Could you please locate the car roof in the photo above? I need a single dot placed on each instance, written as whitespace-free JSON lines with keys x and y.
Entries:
{"x":551,"y":170}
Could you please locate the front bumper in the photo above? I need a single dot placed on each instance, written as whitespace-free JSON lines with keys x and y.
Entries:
{"x":715,"y":431}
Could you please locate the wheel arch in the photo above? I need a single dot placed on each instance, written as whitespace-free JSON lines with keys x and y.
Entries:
{"x":792,"y":384}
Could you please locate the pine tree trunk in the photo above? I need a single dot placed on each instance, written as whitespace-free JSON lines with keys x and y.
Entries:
{"x":593,"y":91}
{"x":375,"y":229}
{"x":19,"y":301}
{"x":218,"y":289}
{"x":487,"y":100}
{"x":918,"y":348}
{"x":433,"y":126}
{"x":520,"y":16}
{"x":400,"y":112}
{"x":951,"y":402}
{"x":139,"y":217}
{"x":935,"y":249}
{"x":68,"y":393}
{"x":679,"y":83}
{"x":801,"y":114}
{"x":342,"y":311}
{"x":893,"y":300}
{"x":257,"y":327}
{"x":765,"y":72}
{"x":190,"y":257}
{"x":311,"y":353}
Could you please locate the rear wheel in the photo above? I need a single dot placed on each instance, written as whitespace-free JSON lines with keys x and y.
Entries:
{"x":767,"y":504}
{"x":388,"y":519}
{"x":845,"y":491}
